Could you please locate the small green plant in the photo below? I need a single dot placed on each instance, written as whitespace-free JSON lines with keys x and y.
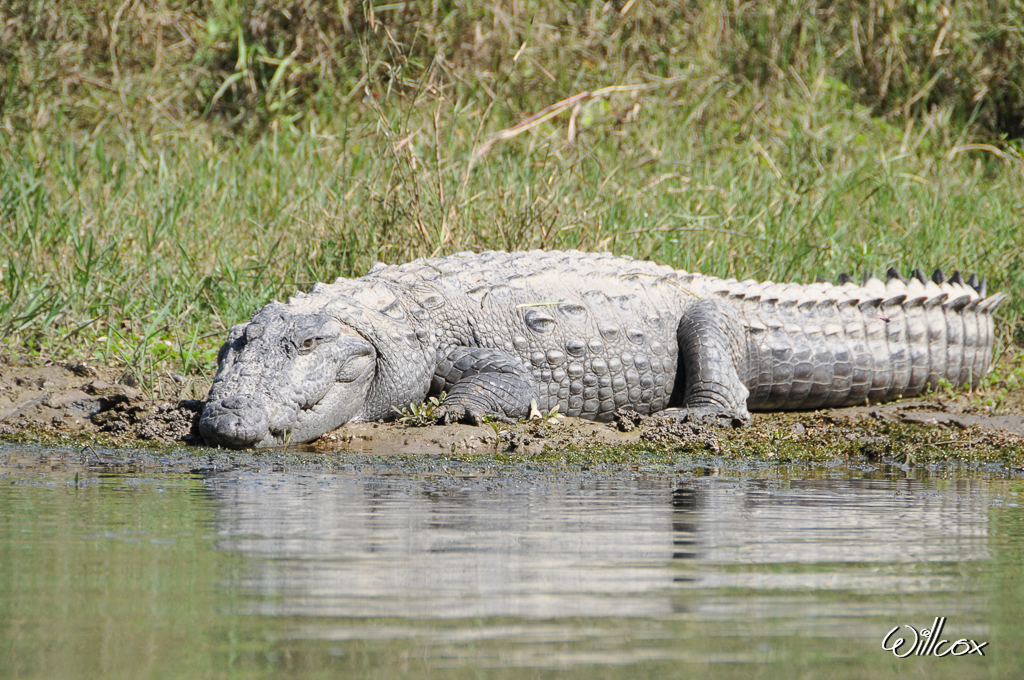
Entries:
{"x":553,"y":417}
{"x":495,"y":426}
{"x":1005,"y":375}
{"x":944,"y":388}
{"x":422,"y":414}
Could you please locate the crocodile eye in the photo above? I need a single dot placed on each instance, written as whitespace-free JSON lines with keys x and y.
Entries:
{"x":308,"y":345}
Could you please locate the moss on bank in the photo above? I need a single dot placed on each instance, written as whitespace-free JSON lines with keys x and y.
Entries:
{"x":804,"y":439}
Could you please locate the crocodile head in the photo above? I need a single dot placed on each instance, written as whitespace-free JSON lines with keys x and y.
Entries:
{"x":287,"y":377}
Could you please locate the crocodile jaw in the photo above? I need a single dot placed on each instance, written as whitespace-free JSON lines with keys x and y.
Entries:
{"x":286,"y":378}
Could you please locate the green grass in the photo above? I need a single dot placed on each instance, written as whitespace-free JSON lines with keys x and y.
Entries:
{"x":137,"y":223}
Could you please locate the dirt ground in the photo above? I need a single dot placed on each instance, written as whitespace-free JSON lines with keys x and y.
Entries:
{"x":87,"y":406}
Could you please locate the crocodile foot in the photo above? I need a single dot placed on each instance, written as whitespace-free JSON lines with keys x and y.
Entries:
{"x":450,"y":413}
{"x":707,"y":415}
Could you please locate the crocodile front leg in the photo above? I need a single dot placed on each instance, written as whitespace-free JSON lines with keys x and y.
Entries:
{"x":483,"y":382}
{"x":712,"y":350}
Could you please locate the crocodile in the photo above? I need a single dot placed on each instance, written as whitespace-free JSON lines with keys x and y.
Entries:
{"x":591,"y":334}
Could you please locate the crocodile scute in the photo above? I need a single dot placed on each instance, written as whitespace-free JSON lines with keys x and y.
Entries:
{"x":590,"y":334}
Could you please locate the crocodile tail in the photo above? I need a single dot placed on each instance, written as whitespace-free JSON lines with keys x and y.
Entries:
{"x":985,"y":310}
{"x":934,"y":329}
{"x":847,"y":344}
{"x":933,"y":332}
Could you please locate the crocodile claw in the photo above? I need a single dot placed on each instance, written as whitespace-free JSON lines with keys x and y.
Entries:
{"x":707,"y":415}
{"x":451,"y":413}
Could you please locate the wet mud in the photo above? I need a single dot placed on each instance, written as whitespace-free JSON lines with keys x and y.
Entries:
{"x":89,"y":409}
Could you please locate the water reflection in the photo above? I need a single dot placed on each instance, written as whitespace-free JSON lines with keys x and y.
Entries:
{"x":847,"y":520}
{"x":384,"y":573}
{"x":347,"y":546}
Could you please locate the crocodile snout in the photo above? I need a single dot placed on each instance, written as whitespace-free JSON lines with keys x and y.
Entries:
{"x":236,"y":421}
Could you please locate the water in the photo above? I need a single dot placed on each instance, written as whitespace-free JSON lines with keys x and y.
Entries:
{"x":391,"y":573}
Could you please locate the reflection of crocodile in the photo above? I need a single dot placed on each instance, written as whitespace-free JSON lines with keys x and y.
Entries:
{"x":591,"y":334}
{"x":543,"y":546}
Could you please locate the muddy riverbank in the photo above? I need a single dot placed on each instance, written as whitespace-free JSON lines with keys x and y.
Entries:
{"x":80,"y":406}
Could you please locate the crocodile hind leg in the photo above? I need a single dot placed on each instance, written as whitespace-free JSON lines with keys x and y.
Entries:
{"x":482,"y":382}
{"x":712,"y":352}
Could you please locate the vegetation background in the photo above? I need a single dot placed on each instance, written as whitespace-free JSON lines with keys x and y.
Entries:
{"x":168,"y":166}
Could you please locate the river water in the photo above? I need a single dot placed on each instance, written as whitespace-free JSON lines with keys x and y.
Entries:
{"x":395,"y":572}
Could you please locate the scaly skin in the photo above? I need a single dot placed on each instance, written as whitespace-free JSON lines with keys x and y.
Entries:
{"x":590,"y":333}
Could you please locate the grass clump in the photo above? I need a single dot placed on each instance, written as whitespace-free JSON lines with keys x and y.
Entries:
{"x":420,"y":415}
{"x":167,"y":169}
